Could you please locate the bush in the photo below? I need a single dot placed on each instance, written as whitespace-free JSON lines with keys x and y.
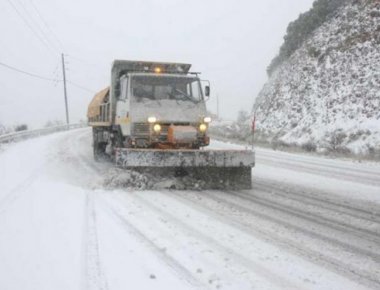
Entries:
{"x":22,"y":127}
{"x":53,"y":123}
{"x":309,"y":147}
{"x":243,"y":117}
{"x":2,"y":129}
{"x":301,"y":29}
{"x":313,"y":52}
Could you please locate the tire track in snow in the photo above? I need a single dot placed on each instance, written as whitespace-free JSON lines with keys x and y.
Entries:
{"x":228,"y":216}
{"x":320,"y":161}
{"x":173,"y":264}
{"x":117,"y":216}
{"x":324,"y":234}
{"x":17,"y":192}
{"x":320,"y":199}
{"x":373,"y":180}
{"x":309,"y":217}
{"x":323,"y":213}
{"x":94,"y":271}
{"x":241,"y":259}
{"x":360,"y":175}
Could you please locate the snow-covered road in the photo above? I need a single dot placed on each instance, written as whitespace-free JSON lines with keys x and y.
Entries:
{"x":308,"y":223}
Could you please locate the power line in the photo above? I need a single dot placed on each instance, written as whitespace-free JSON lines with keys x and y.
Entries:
{"x":80,"y":87}
{"x":27,"y":73}
{"x":29,"y":26}
{"x":38,"y":26}
{"x":72,"y":83}
{"x":84,"y":61}
{"x":46,"y":23}
{"x":45,"y":78}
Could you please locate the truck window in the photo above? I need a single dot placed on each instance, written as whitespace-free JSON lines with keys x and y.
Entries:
{"x":166,"y":88}
{"x":124,"y":88}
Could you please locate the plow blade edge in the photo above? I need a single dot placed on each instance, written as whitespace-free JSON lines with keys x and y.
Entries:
{"x":129,"y":158}
{"x":218,"y":169}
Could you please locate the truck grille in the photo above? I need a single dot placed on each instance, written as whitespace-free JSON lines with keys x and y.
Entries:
{"x":140,"y":129}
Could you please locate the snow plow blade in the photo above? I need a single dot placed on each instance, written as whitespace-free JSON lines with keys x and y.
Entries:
{"x":217,"y":168}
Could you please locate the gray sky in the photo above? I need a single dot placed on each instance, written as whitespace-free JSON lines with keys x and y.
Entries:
{"x":230,"y":42}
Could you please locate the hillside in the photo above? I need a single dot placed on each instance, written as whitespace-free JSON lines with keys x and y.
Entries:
{"x":326,"y":95}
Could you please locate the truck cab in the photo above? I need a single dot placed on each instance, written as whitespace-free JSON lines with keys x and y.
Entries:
{"x":162,"y":110}
{"x":150,"y":105}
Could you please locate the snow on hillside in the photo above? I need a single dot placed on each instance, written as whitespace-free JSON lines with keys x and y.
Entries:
{"x":326,"y":97}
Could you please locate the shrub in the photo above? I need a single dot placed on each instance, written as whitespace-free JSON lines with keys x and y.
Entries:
{"x":22,"y":127}
{"x":309,"y":147}
{"x":301,"y":29}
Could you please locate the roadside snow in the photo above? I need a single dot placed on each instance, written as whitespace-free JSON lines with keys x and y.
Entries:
{"x":316,"y":172}
{"x":62,"y":228}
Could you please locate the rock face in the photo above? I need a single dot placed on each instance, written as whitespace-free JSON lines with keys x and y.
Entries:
{"x":326,"y":96}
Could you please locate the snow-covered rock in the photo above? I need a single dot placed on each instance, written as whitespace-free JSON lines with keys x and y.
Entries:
{"x":326,"y":96}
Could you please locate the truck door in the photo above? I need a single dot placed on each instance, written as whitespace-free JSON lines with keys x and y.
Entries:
{"x":123,"y":107}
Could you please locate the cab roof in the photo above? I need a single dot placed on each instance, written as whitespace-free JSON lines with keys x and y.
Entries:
{"x":150,"y":66}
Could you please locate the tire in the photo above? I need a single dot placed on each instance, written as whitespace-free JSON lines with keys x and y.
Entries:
{"x":100,"y":151}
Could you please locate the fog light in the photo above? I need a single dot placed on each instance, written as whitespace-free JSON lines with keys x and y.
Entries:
{"x":157,"y":128}
{"x":203,"y":128}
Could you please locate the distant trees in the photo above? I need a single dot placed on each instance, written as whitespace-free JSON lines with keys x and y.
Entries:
{"x":3,"y":130}
{"x":6,"y":129}
{"x":299,"y":30}
{"x":22,"y":127}
{"x":243,"y":117}
{"x":53,"y":123}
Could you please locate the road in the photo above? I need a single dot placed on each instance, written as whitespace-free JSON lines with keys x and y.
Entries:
{"x":308,"y":223}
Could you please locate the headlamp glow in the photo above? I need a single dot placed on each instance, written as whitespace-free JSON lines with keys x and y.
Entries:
{"x":202,"y":128}
{"x":152,"y":120}
{"x":207,"y":120}
{"x":157,"y":128}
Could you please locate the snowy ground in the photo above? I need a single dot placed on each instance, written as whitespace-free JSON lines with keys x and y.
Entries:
{"x":309,"y":223}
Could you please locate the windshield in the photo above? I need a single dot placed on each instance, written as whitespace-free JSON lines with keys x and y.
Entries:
{"x":166,"y":88}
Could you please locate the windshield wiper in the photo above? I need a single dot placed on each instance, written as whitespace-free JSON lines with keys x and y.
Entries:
{"x":186,"y":95}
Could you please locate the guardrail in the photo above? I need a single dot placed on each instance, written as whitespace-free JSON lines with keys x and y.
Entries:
{"x":27,"y":134}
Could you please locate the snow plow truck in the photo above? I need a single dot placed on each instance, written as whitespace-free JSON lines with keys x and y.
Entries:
{"x":153,"y":117}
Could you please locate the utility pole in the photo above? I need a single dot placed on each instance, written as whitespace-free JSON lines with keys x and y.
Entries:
{"x":217,"y":105}
{"x":65,"y":89}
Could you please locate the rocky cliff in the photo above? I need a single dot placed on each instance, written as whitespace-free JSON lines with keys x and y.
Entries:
{"x":326,"y":96}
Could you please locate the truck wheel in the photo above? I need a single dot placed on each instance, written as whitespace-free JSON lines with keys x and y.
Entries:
{"x":100,"y":151}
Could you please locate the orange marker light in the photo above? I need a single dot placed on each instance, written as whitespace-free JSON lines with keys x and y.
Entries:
{"x":157,"y":70}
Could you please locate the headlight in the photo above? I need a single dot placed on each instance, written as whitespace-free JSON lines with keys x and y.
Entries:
{"x":152,"y":120}
{"x":203,"y":128}
{"x":207,"y":119}
{"x":157,"y":128}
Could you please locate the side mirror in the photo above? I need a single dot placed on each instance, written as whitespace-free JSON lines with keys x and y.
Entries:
{"x":207,"y":91}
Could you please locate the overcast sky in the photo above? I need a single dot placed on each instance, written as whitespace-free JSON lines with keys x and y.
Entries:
{"x":230,"y":42}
